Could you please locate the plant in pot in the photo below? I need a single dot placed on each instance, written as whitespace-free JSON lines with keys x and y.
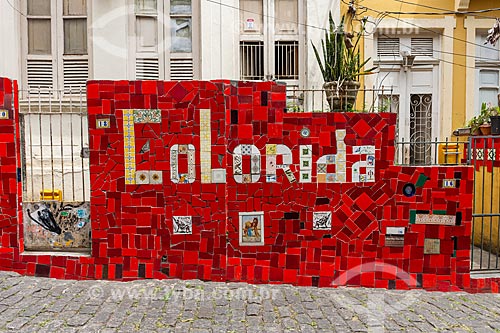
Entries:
{"x":341,"y":65}
{"x":482,"y":123}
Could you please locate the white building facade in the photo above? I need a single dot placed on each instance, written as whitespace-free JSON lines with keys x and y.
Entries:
{"x":60,"y":44}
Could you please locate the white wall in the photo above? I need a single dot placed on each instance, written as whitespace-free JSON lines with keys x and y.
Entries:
{"x":317,"y":20}
{"x":10,"y":42}
{"x":109,"y":30}
{"x":219,"y":40}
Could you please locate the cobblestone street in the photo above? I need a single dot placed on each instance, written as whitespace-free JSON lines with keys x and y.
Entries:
{"x":29,"y":304}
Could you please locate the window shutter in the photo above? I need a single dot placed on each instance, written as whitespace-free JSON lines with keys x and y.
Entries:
{"x":40,"y":73}
{"x":147,"y":69}
{"x":76,"y":73}
{"x":388,"y":47}
{"x":422,"y":47}
{"x":181,"y":69}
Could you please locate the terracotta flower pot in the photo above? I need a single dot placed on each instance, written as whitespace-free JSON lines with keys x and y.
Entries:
{"x":341,"y":98}
{"x":485,"y":129}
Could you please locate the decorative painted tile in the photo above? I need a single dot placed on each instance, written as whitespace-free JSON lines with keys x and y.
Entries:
{"x":100,"y":123}
{"x":142,"y":177}
{"x":341,"y":178}
{"x":305,"y":132}
{"x":305,"y":151}
{"x":370,"y":160}
{"x":155,"y":177}
{"x":449,"y":183}
{"x":246,"y":149}
{"x":206,"y":179}
{"x":306,"y":163}
{"x":479,"y":154}
{"x":435,"y":219}
{"x":340,"y":135}
{"x":271,"y":149}
{"x":271,"y":164}
{"x":394,"y":240}
{"x":330,"y":159}
{"x":492,"y":154}
{"x":247,"y":178}
{"x":147,"y":116}
{"x":322,"y":220}
{"x":251,"y":228}
{"x":145,"y":148}
{"x":184,"y":178}
{"x":270,"y":178}
{"x":218,"y":176}
{"x":191,"y":157}
{"x":340,"y":157}
{"x":237,"y":164}
{"x":306,"y":176}
{"x":182,"y":149}
{"x":289,"y":175}
{"x":129,"y":147}
{"x":340,"y":166}
{"x":321,"y":168}
{"x":182,"y":225}
{"x":331,"y":178}
{"x":370,"y":174}
{"x":4,"y":114}
{"x":432,"y":246}
{"x":321,"y":178}
{"x":191,"y":171}
{"x":395,"y":230}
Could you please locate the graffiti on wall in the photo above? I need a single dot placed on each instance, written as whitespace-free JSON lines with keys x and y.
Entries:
{"x":56,"y":225}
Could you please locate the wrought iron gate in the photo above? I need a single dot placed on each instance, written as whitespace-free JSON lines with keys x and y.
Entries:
{"x":485,"y":248}
{"x":55,"y":170}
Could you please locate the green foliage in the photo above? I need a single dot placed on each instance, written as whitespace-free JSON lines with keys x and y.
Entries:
{"x":487,"y":110}
{"x":341,"y":59}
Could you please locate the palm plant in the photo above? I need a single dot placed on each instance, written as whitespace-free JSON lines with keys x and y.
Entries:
{"x":341,"y":61}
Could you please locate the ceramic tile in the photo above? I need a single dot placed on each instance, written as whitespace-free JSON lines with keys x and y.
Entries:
{"x":142,"y":177}
{"x":156,"y":177}
{"x":182,"y":225}
{"x":322,"y":220}
{"x":218,"y":176}
{"x":147,"y":116}
{"x":432,"y":246}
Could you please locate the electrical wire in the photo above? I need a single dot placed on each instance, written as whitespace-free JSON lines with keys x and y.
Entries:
{"x":430,"y":30}
{"x":13,"y":7}
{"x":445,"y":11}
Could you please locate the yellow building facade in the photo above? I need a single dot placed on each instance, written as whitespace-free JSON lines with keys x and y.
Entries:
{"x":453,"y":70}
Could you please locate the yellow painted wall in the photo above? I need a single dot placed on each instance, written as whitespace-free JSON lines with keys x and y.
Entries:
{"x":487,"y":192}
{"x":373,"y":8}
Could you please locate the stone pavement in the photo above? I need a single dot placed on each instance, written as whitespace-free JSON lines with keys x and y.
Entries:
{"x":29,"y":304}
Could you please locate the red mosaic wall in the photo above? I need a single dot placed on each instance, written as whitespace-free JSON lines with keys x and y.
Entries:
{"x":133,"y":233}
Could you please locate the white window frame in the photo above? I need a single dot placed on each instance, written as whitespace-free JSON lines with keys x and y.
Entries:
{"x":57,"y":44}
{"x":164,"y":39}
{"x":269,"y":37}
{"x":483,"y":65}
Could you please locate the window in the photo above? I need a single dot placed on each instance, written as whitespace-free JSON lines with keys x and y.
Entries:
{"x":252,"y":60}
{"x":152,"y":36}
{"x":286,"y":60}
{"x":46,"y":54}
{"x":392,"y":46}
{"x":269,"y":44}
{"x":146,"y":33}
{"x":487,"y":73}
{"x":181,"y":50}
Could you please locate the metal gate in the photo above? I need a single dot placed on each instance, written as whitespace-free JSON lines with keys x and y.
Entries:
{"x":55,"y":170}
{"x":485,"y":248}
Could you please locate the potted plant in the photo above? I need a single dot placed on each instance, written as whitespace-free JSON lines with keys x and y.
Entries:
{"x":482,"y":123}
{"x":341,"y":65}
